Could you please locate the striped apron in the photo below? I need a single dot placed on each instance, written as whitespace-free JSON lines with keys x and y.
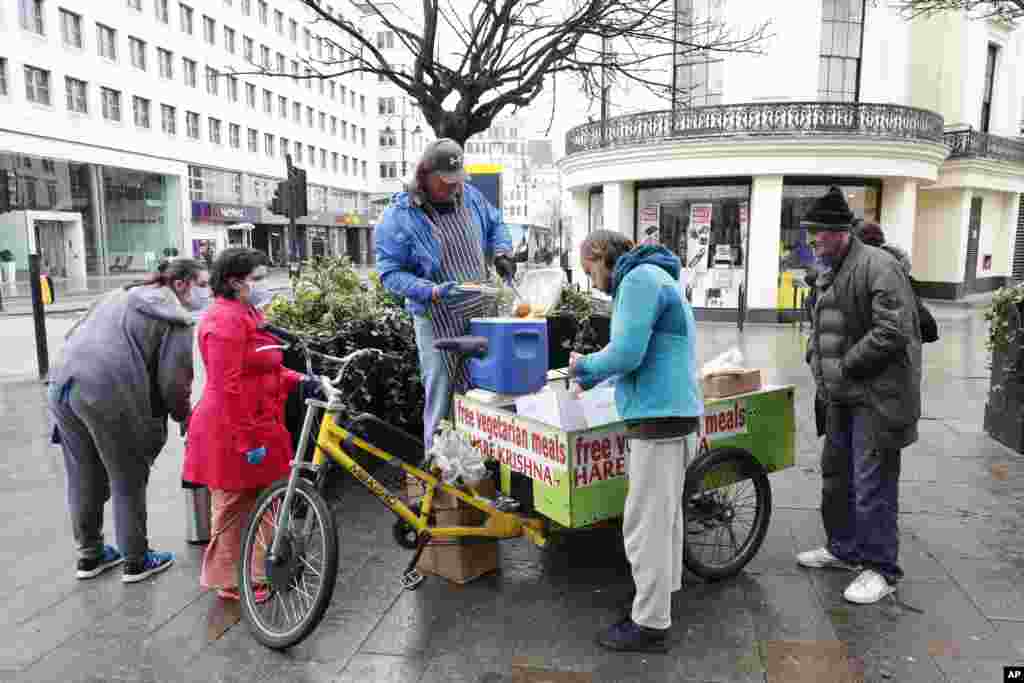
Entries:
{"x":462,"y":260}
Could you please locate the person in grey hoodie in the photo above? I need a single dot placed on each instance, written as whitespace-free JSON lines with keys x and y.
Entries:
{"x":126,"y":366}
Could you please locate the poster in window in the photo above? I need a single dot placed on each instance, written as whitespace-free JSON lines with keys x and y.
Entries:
{"x":698,"y":237}
{"x":649,"y":225}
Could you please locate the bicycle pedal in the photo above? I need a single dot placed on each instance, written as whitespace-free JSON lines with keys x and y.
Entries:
{"x":506,"y":504}
{"x":411,"y":580}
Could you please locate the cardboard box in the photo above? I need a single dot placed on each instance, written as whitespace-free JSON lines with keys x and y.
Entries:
{"x":464,"y":559}
{"x":414,"y":488}
{"x":559,"y":407}
{"x":731,"y":383}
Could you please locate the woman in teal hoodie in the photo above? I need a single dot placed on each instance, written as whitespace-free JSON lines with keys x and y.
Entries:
{"x":652,"y":353}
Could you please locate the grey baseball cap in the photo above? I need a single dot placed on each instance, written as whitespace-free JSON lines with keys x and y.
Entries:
{"x":445,"y":159}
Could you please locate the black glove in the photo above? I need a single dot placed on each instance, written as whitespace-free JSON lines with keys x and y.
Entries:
{"x":310,"y":388}
{"x":505,"y":266}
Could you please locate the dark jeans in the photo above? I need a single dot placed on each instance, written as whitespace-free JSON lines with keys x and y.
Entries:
{"x":860,"y":489}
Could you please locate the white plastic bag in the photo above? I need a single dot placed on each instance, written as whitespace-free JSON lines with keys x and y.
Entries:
{"x":456,"y":457}
{"x":729,"y":361}
{"x":542,"y":289}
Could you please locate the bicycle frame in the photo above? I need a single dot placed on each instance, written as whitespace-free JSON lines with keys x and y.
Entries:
{"x":331,"y":436}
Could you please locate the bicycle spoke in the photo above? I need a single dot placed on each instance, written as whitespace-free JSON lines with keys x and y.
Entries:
{"x":310,"y":567}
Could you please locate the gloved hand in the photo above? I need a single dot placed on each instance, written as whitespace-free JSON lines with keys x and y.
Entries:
{"x":310,"y":388}
{"x":505,"y":266}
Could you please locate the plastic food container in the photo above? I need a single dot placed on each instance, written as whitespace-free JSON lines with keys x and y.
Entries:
{"x":517,"y":356}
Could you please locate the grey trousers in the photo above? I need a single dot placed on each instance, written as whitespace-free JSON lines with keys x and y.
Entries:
{"x":103,"y":459}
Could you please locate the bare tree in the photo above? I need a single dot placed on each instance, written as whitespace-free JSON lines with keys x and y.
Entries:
{"x":471,"y":60}
{"x":1003,"y":9}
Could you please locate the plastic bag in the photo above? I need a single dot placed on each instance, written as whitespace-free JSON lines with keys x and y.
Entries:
{"x":542,"y":290}
{"x":729,"y":361}
{"x":456,"y":457}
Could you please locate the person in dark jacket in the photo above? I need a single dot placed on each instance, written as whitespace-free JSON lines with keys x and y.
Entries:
{"x":865,"y":353}
{"x":126,"y":366}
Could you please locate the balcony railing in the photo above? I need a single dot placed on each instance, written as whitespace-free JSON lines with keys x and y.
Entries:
{"x":791,"y":119}
{"x":969,"y":144}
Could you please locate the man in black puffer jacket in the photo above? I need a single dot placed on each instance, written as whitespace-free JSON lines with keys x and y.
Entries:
{"x":865,"y":353}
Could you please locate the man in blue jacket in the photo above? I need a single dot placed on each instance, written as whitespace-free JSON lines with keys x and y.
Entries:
{"x":439,"y":233}
{"x":652,"y":351}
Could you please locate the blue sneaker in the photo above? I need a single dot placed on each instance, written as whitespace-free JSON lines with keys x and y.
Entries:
{"x":94,"y":566}
{"x":152,"y":563}
{"x":629,"y":636}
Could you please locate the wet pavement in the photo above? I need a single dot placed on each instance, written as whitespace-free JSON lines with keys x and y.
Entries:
{"x":959,"y":614}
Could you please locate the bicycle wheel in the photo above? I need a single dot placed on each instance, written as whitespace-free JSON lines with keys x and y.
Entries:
{"x":728,"y":505}
{"x":283,"y":600}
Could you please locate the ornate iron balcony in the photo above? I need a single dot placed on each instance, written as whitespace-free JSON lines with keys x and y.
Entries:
{"x":790,"y":119}
{"x":968,"y":144}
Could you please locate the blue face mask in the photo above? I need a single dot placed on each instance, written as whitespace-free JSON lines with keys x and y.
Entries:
{"x":259,"y":294}
{"x":200,"y":300}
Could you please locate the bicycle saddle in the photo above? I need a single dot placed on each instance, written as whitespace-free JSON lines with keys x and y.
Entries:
{"x":475,"y":347}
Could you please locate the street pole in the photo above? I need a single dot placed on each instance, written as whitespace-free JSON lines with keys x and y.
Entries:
{"x":38,"y":316}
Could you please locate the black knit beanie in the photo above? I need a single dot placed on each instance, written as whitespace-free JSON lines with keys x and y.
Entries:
{"x":830,"y":212}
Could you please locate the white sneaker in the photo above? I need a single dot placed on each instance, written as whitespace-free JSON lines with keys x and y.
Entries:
{"x":821,"y":558}
{"x":868,"y":588}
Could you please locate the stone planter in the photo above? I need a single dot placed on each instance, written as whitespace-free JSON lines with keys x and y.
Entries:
{"x":1004,"y":409}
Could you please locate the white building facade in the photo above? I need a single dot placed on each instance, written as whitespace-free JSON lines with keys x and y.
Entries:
{"x":916,"y":121}
{"x":123,"y":114}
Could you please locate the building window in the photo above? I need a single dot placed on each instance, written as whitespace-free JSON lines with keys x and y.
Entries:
{"x":192,"y":125}
{"x":246,"y":7}
{"x":185,"y":15}
{"x":309,"y":117}
{"x":3,"y":75}
{"x":388,"y":170}
{"x":234,"y":135}
{"x":265,"y":56}
{"x":165,"y":63}
{"x":268,"y":145}
{"x":264,"y":18}
{"x":106,"y":41}
{"x":322,"y":86}
{"x":282,"y":106}
{"x":333,"y":88}
{"x":51,"y":194}
{"x":309,"y":78}
{"x":135,"y":5}
{"x":282,"y":64}
{"x":213,"y":125}
{"x":31,"y":12}
{"x":323,"y":122}
{"x":364,"y":170}
{"x":209,"y":30}
{"x":250,"y":95}
{"x":307,"y":40}
{"x":229,"y":39}
{"x":211,"y":81}
{"x":295,"y":70}
{"x":293,"y":30}
{"x":385,"y":105}
{"x":71,"y":28}
{"x":248,"y":49}
{"x":253,"y":136}
{"x":388,"y":138}
{"x":279,"y":22}
{"x":323,"y":159}
{"x":284,"y":147}
{"x":189,"y":70}
{"x":334,"y":125}
{"x":268,"y":103}
{"x":296,"y":112}
{"x":334,"y":161}
{"x":140,"y":109}
{"x":137,"y":50}
{"x":991,"y":61}
{"x":385,"y":40}
{"x":111,"y":100}
{"x":842,"y":23}
{"x":168,"y":119}
{"x":362,"y":104}
{"x":353,"y":133}
{"x":298,"y":152}
{"x":37,"y":85}
{"x":312,"y":155}
{"x":163,"y":14}
{"x":232,"y":88}
{"x":362,"y":135}
{"x":77,"y":95}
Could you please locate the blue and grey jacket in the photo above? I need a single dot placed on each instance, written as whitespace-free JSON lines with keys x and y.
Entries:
{"x":653,"y":342}
{"x":408,"y":254}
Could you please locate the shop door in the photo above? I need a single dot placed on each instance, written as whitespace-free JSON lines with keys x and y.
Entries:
{"x":973,"y":233}
{"x":52,"y":247}
{"x":352,"y":246}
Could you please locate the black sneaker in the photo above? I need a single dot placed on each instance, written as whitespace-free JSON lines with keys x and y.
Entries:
{"x":151,"y":563}
{"x":93,"y":567}
{"x":628,"y":636}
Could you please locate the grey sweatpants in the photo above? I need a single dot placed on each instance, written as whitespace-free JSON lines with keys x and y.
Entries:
{"x":104,"y":459}
{"x":653,"y":525}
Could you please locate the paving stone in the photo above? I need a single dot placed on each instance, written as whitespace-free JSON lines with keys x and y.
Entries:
{"x":996,"y":588}
{"x":382,"y":669}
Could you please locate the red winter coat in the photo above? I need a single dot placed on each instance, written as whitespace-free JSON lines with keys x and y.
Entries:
{"x":242,"y":406}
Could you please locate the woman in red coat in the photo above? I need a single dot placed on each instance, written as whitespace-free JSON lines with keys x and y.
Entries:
{"x":237,"y":440}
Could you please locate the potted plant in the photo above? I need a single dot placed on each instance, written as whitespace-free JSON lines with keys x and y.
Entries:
{"x":577,"y":324}
{"x":10,"y":267}
{"x":1004,"y":410}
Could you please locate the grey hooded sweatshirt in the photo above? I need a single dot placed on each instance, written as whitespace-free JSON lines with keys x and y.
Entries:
{"x":130,"y":357}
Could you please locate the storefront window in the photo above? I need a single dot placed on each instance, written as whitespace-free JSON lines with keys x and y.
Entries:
{"x":211,"y":185}
{"x":596,"y":209}
{"x":143,"y":218}
{"x":706,"y":227}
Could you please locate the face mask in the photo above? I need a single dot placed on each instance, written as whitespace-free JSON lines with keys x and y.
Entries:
{"x":200,"y":299}
{"x":259,"y":294}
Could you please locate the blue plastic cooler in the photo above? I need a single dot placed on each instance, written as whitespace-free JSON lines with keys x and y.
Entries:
{"x":517,"y":355}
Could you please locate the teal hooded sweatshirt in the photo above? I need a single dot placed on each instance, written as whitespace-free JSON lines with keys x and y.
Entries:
{"x":653,"y":341}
